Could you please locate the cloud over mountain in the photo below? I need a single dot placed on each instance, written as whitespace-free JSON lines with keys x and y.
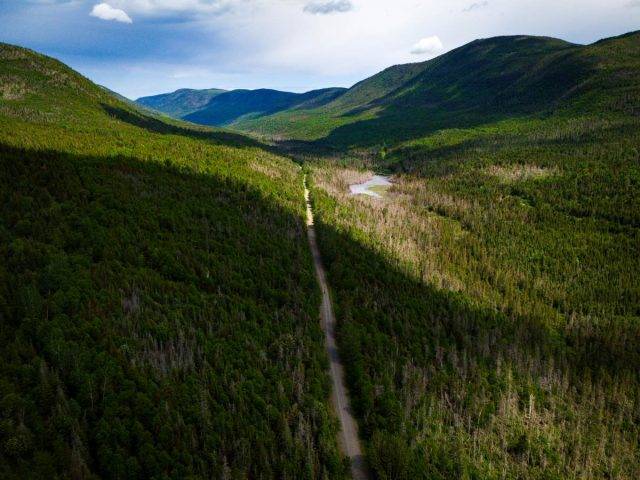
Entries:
{"x":430,"y":45}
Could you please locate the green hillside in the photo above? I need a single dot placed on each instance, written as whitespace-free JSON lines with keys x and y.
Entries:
{"x":233,"y":106}
{"x":181,"y":102}
{"x":221,"y":108}
{"x":489,"y":304}
{"x":483,"y":81}
{"x":158,"y":308}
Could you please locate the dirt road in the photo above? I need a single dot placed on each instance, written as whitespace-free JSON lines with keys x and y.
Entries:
{"x":349,"y":441}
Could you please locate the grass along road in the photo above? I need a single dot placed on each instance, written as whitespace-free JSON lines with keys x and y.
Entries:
{"x":348,"y":438}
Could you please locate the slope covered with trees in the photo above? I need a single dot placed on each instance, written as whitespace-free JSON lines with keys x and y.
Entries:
{"x":478,"y":83}
{"x":158,"y":309}
{"x":181,"y":102}
{"x":489,"y":306}
{"x":223,"y":108}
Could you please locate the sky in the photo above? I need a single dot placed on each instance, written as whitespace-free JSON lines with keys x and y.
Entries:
{"x":145,"y":47}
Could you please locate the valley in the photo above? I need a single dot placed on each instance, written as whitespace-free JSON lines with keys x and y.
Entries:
{"x":348,"y":436}
{"x":429,"y":275}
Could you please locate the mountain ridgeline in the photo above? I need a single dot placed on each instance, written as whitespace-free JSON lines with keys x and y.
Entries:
{"x":181,"y":102}
{"x":485,"y":80}
{"x":222,"y":108}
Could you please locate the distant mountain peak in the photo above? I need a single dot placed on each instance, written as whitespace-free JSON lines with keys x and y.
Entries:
{"x":221,"y":107}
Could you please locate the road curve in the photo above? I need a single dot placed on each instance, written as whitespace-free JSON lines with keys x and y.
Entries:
{"x":348,"y":439}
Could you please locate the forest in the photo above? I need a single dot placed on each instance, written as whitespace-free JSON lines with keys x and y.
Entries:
{"x":158,"y":309}
{"x":488,"y":305}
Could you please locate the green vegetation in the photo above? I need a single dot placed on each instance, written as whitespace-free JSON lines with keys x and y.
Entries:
{"x":181,"y":102}
{"x":476,"y":84}
{"x":159,"y":312}
{"x":158,"y":308}
{"x":220,"y":108}
{"x":489,"y":305}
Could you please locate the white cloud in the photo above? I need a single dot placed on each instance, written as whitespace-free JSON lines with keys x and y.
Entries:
{"x":105,"y":11}
{"x":326,"y":7}
{"x":476,"y":6}
{"x":633,"y":4}
{"x":428,"y":45}
{"x":168,"y":7}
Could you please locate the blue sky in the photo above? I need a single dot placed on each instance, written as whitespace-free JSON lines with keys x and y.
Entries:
{"x":142,"y":47}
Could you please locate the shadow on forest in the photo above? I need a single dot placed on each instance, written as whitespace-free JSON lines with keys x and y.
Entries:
{"x":393,"y":125}
{"x":389,"y":301}
{"x":202,"y":132}
{"x":366,"y":264}
{"x":159,"y":302}
{"x":463,"y":90}
{"x":414,"y":110}
{"x":397,"y":313}
{"x":392,"y":128}
{"x":411,"y":157}
{"x":401,"y":338}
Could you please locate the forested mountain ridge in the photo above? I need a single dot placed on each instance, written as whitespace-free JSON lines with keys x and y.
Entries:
{"x":485,"y":80}
{"x":181,"y":102}
{"x":489,"y":314}
{"x":219,"y":108}
{"x":158,"y":308}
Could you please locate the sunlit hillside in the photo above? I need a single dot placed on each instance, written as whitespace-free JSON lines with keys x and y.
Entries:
{"x":476,"y":84}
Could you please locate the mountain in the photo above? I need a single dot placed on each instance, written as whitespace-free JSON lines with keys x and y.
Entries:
{"x":219,"y":108}
{"x":490,"y":311}
{"x":159,"y":310}
{"x":181,"y":102}
{"x":158,"y":305}
{"x":493,"y":78}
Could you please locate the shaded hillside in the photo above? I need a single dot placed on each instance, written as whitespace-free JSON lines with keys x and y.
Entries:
{"x":219,"y":107}
{"x":230,"y":107}
{"x":181,"y":102}
{"x":158,"y":308}
{"x":484,"y":80}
